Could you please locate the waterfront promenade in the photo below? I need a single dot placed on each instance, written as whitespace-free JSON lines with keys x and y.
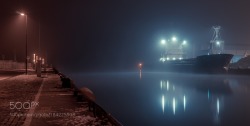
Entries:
{"x":37,"y":101}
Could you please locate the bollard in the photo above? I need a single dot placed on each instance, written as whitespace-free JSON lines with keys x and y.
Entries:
{"x":85,"y":94}
{"x":79,"y":98}
{"x":66,"y":83}
{"x":90,"y":97}
{"x":38,"y":68}
{"x":75,"y":92}
{"x":75,"y":89}
{"x":55,"y":70}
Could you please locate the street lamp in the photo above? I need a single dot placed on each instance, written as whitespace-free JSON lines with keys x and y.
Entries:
{"x":34,"y":58}
{"x":26,"y":43}
{"x":163,"y":42}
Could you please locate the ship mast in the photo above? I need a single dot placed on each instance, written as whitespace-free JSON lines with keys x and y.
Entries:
{"x":216,"y":44}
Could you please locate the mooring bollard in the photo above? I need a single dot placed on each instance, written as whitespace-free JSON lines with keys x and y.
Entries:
{"x":90,"y":97}
{"x":79,"y":98}
{"x":75,"y":92}
{"x":75,"y":89}
{"x":66,"y":83}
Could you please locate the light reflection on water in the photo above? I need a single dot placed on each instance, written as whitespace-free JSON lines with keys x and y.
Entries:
{"x":171,"y":99}
{"x":174,"y":96}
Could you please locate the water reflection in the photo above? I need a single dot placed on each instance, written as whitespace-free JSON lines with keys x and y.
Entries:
{"x":163,"y":103}
{"x":184,"y":102}
{"x":173,"y":96}
{"x":166,"y":99}
{"x":140,"y":74}
{"x":176,"y":94}
{"x":174,"y":105}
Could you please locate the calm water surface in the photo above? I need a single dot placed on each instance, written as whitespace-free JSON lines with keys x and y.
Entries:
{"x":171,"y":99}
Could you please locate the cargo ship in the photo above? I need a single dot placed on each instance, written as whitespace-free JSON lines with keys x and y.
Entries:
{"x":214,"y":62}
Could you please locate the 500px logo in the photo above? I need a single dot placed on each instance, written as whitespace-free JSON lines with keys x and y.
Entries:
{"x":23,"y":105}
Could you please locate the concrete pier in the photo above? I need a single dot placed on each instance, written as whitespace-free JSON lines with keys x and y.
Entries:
{"x":37,"y":101}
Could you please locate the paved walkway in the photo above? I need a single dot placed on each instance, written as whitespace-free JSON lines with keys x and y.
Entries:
{"x":8,"y":74}
{"x":32,"y":101}
{"x":4,"y":77}
{"x":15,"y":95}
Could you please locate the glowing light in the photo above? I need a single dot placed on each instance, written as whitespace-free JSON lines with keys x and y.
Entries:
{"x":180,"y":58}
{"x":208,"y":94}
{"x":174,"y":105}
{"x":43,"y":61}
{"x":173,"y":58}
{"x":174,"y":39}
{"x":140,"y":74}
{"x":163,"y":42}
{"x":163,"y":103}
{"x":218,"y":105}
{"x":184,"y":102}
{"x":167,"y":85}
{"x":168,"y":58}
{"x":218,"y":43}
{"x":162,"y":59}
{"x":22,"y":14}
{"x":34,"y":57}
{"x":184,"y":42}
{"x":140,"y":65}
{"x":161,"y":84}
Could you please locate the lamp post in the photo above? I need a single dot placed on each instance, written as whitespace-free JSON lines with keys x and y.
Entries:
{"x":26,"y":43}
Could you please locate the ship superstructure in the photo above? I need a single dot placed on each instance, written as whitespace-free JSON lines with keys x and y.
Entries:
{"x":173,"y":50}
{"x":215,"y":60}
{"x":216,"y":44}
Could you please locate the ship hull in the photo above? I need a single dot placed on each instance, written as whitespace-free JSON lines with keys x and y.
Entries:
{"x":214,"y":63}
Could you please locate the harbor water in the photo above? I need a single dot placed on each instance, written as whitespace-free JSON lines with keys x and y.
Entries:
{"x":147,"y":99}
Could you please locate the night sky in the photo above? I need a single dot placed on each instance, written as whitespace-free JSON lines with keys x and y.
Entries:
{"x":105,"y":35}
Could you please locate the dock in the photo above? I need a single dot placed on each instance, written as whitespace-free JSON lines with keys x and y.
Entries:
{"x":29,"y":100}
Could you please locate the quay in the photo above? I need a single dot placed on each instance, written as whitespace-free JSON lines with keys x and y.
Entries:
{"x":29,"y":100}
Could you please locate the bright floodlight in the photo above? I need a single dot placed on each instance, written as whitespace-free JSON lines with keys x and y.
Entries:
{"x":184,"y":42}
{"x":218,"y":43}
{"x":22,"y":14}
{"x":163,"y":42}
{"x":174,"y":39}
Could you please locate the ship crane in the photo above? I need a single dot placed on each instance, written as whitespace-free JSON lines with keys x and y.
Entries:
{"x":216,"y":44}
